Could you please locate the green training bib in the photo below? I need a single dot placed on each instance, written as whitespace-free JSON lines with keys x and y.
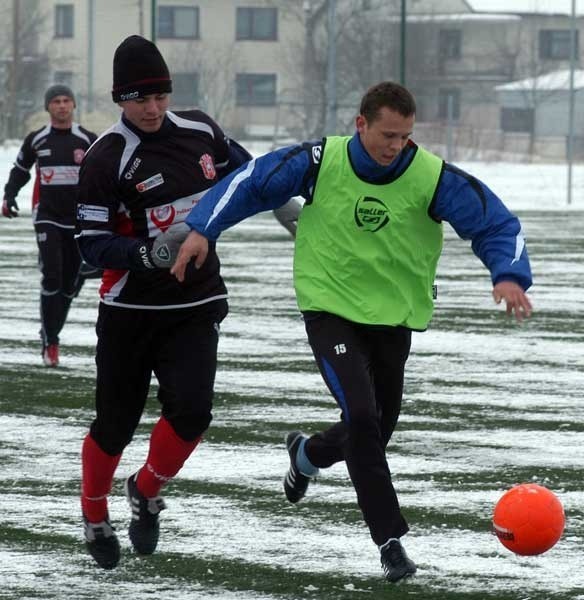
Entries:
{"x":369,"y":252}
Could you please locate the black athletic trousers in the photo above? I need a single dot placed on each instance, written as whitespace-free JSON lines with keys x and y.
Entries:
{"x":59,"y":261}
{"x":179,"y":346}
{"x":363,"y":367}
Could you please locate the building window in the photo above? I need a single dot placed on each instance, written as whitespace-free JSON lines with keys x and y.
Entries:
{"x":450,"y":44}
{"x":255,"y":90}
{"x":257,"y":24}
{"x":180,"y":22}
{"x":517,"y":119}
{"x":554,"y":44}
{"x":63,"y":20}
{"x":64,"y":78}
{"x":449,"y":103}
{"x":185,"y":89}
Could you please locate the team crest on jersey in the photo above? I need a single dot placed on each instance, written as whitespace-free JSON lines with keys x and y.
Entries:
{"x":163,"y":216}
{"x":371,"y":214}
{"x":208,"y":167}
{"x":78,"y":155}
{"x":47,"y":175}
{"x":150,"y":183}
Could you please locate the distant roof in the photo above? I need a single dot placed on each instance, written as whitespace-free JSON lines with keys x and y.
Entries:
{"x":557,"y":7}
{"x":455,"y":17}
{"x":556,"y":80}
{"x":462,"y":17}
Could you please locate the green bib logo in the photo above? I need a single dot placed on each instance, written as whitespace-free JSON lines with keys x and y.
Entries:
{"x":370,"y":214}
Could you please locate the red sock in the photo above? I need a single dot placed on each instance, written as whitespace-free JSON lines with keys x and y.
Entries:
{"x":168,"y":453}
{"x":98,"y":470}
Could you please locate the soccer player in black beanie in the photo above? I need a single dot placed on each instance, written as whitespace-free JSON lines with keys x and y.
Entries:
{"x":138,"y":182}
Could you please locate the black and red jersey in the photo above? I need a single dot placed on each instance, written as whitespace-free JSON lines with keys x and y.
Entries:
{"x":56,"y":155}
{"x":133,"y":186}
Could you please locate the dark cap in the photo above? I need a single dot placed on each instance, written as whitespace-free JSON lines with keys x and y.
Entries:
{"x":58,"y":90}
{"x":139,"y":69}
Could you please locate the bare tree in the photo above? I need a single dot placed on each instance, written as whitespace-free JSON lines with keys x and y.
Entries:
{"x":23,"y":64}
{"x":364,"y":42}
{"x":214,"y":70}
{"x":304,"y":98}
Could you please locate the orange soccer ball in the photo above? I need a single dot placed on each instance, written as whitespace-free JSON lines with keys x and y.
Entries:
{"x":529,"y":519}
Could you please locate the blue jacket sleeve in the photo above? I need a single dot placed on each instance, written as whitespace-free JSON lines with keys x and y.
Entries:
{"x":477,"y":214}
{"x":264,"y":183}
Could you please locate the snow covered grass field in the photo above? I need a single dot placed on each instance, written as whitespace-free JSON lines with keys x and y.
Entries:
{"x":488,"y":404}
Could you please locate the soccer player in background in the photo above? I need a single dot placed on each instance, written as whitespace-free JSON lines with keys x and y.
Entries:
{"x":56,"y":150}
{"x":367,"y":246}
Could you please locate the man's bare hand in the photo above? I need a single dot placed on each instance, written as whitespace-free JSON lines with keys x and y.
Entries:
{"x":195,"y":246}
{"x":515,"y":298}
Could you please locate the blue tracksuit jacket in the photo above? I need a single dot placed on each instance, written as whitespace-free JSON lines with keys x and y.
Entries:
{"x":471,"y":208}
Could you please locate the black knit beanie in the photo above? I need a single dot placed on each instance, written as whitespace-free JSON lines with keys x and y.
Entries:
{"x":58,"y":90}
{"x":139,"y":70}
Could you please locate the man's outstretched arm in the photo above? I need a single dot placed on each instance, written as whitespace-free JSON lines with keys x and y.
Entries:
{"x":265,"y":183}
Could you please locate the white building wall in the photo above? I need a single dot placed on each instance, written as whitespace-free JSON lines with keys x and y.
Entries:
{"x":552,"y":113}
{"x":216,"y":56}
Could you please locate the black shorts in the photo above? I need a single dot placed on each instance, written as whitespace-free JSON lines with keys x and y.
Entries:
{"x":178,"y":346}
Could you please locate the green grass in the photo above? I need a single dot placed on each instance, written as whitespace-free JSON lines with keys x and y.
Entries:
{"x":44,"y":415}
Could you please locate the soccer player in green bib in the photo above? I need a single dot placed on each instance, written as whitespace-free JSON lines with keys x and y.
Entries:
{"x":368,"y":240}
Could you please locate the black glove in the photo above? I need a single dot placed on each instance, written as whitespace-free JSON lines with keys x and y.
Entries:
{"x":9,"y":208}
{"x":166,"y":245}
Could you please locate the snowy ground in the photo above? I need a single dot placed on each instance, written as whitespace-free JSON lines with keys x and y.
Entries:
{"x":488,"y":403}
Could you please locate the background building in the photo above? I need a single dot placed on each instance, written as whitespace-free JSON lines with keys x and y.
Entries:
{"x":278,"y":69}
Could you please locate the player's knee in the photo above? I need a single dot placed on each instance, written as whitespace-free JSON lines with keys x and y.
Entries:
{"x":70,"y":291}
{"x":362,"y":421}
{"x":113,"y":440}
{"x":190,"y":426}
{"x":50,"y":287}
{"x":363,"y":430}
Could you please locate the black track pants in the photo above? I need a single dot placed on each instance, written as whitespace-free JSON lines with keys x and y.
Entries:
{"x":363,"y":367}
{"x":59,"y":261}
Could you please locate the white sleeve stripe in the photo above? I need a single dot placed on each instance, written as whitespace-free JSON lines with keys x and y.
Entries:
{"x":187,"y":124}
{"x":90,"y":232}
{"x":224,"y":200}
{"x":519,"y":246}
{"x":132,"y":141}
{"x":43,"y":132}
{"x":21,"y":167}
{"x":76,"y":130}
